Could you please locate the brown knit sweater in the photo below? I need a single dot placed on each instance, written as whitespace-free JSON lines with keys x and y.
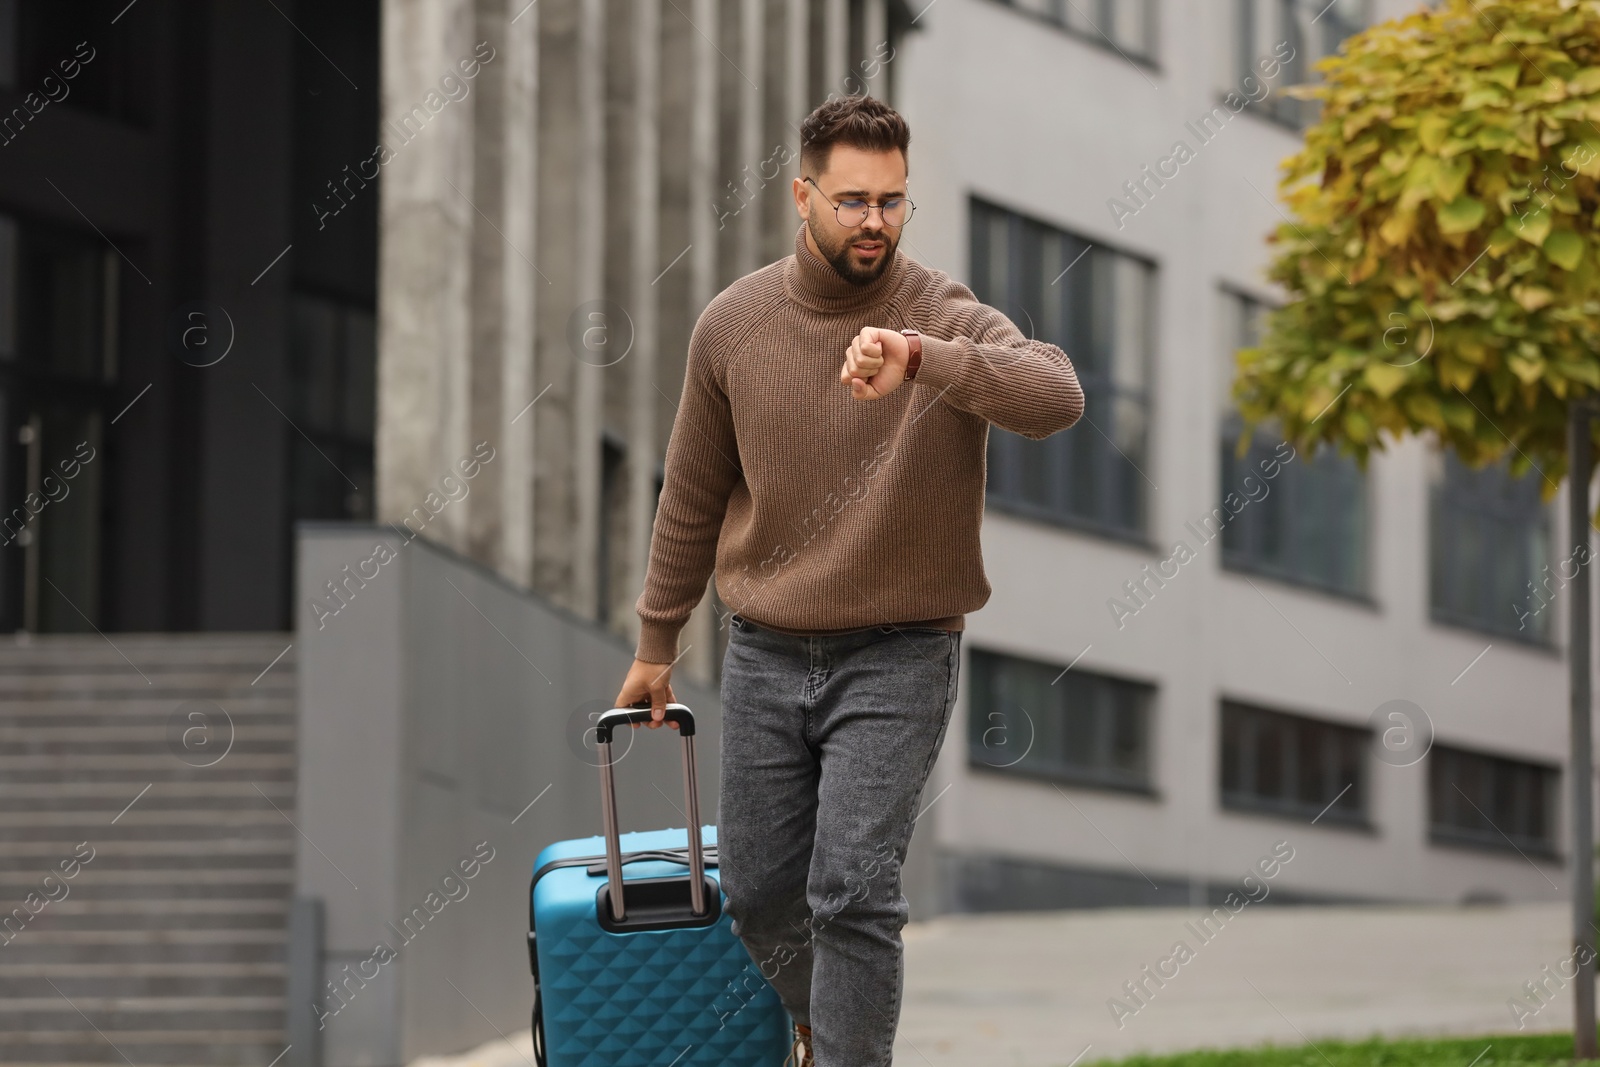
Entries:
{"x":821,"y":513}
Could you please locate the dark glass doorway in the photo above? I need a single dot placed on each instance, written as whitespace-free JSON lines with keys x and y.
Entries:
{"x":57,"y":366}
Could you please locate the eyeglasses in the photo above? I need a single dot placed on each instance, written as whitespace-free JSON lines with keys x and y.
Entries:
{"x":895,"y":211}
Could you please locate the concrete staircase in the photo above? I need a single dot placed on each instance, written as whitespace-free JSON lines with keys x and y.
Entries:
{"x":167,"y":946}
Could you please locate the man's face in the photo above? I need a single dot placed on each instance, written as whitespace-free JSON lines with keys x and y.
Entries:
{"x":861,"y":253}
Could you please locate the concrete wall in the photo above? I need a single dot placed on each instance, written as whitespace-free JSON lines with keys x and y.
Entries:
{"x":435,"y":705}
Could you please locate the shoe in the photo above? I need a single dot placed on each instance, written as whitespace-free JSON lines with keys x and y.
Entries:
{"x":800,"y":1055}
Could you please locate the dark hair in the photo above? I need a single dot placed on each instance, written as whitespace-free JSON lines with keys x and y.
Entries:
{"x":863,"y":122}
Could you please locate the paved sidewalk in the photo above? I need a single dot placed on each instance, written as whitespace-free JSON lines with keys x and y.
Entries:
{"x":1013,"y":991}
{"x":1031,"y":990}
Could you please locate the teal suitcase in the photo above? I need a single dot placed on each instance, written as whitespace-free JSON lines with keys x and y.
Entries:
{"x":632,"y":967}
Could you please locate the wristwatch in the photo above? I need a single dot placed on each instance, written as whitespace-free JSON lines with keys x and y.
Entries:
{"x":914,"y":361}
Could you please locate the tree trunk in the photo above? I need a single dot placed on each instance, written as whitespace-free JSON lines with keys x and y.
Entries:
{"x":1582,"y":770}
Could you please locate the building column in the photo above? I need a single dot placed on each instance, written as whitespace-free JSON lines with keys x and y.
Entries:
{"x":796,"y":106}
{"x":523,"y":288}
{"x":836,"y":48}
{"x":797,"y":58}
{"x":752,"y":58}
{"x":783,"y":108}
{"x":645,"y":253}
{"x":569,"y":197}
{"x":875,"y":32}
{"x":589,"y":264}
{"x":425,"y":255}
{"x":501,"y":291}
{"x":704,"y":191}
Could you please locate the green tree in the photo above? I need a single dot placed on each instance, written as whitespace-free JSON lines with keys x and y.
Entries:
{"x":1442,"y":265}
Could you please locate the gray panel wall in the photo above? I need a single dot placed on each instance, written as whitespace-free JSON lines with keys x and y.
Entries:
{"x":435,"y":705}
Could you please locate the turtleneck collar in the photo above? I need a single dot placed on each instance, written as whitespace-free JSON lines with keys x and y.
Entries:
{"x":812,"y":282}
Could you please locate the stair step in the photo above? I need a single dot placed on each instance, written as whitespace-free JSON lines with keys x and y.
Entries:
{"x":167,"y":880}
{"x":56,"y":1055}
{"x":153,"y":749}
{"x":94,"y":649}
{"x":111,"y":707}
{"x":171,"y":897}
{"x":169,"y":936}
{"x":231,"y":846}
{"x":169,"y":945}
{"x":242,"y":840}
{"x":10,"y":1005}
{"x":30,"y":949}
{"x":89,"y":810}
{"x":55,"y":917}
{"x":140,"y":987}
{"x":138,"y":1037}
{"x":141,"y":815}
{"x":204,"y":1056}
{"x":149,"y":662}
{"x":110,"y":1025}
{"x":122,"y":733}
{"x":139,"y":777}
{"x":206,"y":970}
{"x":169,"y":906}
{"x":157,"y":762}
{"x":97,"y":787}
{"x":50,"y":710}
{"x":211,"y":876}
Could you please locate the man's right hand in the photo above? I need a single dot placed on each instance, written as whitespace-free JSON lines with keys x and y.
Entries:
{"x":652,"y":681}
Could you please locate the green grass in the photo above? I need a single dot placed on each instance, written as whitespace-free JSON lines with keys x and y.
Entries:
{"x":1545,"y":1049}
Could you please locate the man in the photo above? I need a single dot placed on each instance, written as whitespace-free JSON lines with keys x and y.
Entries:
{"x":827,"y":459}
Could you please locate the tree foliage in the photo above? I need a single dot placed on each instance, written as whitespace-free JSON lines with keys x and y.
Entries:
{"x":1443,"y":256}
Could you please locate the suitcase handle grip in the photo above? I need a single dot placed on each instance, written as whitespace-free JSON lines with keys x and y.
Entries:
{"x":681,"y":714}
{"x":677,"y":713}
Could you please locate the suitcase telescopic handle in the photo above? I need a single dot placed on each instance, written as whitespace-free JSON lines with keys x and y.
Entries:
{"x":680,"y":714}
{"x":677,"y":713}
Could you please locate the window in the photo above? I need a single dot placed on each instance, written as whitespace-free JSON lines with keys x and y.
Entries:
{"x":8,"y":44}
{"x":1307,"y":523}
{"x":58,"y":363}
{"x":1037,"y":719}
{"x":81,"y":55}
{"x":1489,"y":801}
{"x":1278,"y":42}
{"x":1490,"y":541}
{"x":612,"y":575}
{"x":332,"y":358}
{"x":1097,"y":305}
{"x":1128,"y":26}
{"x":1291,"y":765}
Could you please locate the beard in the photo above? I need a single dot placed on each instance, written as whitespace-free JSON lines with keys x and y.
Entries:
{"x":837,"y":251}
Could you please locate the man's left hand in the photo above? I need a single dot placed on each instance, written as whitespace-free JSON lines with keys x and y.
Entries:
{"x":875,"y":363}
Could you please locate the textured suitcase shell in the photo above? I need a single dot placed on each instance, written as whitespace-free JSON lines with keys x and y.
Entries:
{"x":688,"y":997}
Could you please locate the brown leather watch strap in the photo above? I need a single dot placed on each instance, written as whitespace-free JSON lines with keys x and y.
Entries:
{"x":914,"y":361}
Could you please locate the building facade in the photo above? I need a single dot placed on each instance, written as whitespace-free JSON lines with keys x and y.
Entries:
{"x":1261,"y":644}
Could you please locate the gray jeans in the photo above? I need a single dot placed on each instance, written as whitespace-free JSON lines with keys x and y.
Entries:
{"x":826,"y":745}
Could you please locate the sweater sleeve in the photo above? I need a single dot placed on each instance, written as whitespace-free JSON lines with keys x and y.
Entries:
{"x":981,"y":363}
{"x":701,"y":469}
